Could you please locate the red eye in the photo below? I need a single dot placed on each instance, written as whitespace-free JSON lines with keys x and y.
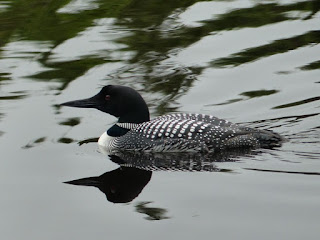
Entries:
{"x":107,"y":97}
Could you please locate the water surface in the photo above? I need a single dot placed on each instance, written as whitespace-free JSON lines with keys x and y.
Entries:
{"x":251,"y":62}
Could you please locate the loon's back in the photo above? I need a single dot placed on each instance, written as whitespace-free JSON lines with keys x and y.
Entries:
{"x":189,"y":133}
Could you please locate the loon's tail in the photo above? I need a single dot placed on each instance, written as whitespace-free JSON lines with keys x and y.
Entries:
{"x":268,"y":138}
{"x":264,"y":138}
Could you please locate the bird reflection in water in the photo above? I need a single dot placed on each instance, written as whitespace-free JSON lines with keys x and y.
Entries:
{"x":125,"y":183}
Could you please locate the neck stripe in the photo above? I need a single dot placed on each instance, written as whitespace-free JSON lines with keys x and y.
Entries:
{"x":127,"y":125}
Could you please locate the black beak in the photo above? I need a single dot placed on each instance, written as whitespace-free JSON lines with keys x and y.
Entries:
{"x":84,"y":103}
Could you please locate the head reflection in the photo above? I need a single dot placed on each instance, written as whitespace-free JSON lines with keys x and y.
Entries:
{"x":121,"y":185}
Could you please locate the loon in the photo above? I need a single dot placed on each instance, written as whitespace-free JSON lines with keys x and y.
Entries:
{"x":178,"y":132}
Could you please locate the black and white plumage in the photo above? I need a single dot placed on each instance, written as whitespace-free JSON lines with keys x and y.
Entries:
{"x":179,"y":132}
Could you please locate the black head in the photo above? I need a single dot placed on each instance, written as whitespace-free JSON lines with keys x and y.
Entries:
{"x":119,"y":101}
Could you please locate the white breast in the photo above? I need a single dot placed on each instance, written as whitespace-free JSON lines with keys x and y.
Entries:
{"x":106,"y":141}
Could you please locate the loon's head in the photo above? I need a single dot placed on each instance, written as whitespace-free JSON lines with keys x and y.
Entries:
{"x":122,"y":102}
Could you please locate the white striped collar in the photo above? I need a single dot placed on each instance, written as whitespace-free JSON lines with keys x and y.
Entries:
{"x":128,"y":125}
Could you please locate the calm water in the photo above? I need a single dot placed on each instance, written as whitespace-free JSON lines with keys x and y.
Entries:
{"x":252,"y":62}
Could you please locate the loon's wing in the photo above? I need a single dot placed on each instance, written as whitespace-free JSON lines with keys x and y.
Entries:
{"x":241,"y":136}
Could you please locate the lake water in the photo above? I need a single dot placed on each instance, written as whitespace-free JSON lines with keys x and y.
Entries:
{"x":251,"y":62}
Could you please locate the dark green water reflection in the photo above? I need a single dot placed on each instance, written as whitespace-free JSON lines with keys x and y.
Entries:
{"x":149,"y":38}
